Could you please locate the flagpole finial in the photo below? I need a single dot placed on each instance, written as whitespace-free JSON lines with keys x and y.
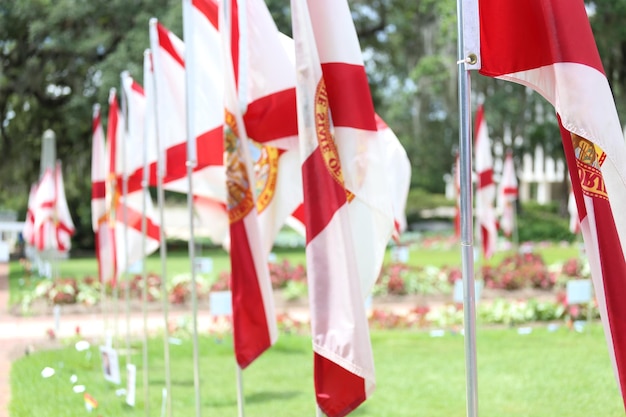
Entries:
{"x":48,"y":150}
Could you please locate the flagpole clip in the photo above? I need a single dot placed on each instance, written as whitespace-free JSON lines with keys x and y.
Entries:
{"x":471,"y":59}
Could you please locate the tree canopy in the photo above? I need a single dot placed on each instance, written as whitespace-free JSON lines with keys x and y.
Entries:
{"x":58,"y":58}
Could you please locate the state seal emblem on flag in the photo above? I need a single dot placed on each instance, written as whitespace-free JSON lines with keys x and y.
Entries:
{"x":589,"y":159}
{"x":240,"y":200}
{"x":265,"y":173}
{"x":325,"y":137}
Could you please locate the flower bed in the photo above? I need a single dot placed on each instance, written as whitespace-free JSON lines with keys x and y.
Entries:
{"x":520,"y":289}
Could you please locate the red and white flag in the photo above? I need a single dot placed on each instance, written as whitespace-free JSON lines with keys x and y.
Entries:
{"x":52,"y":223}
{"x":139,"y":142}
{"x":98,"y":171}
{"x":348,"y":225}
{"x":268,"y":95}
{"x":486,"y":190}
{"x":63,"y":224}
{"x":44,"y":212}
{"x":28,"y":233}
{"x":254,"y":319}
{"x":169,"y":72}
{"x":269,"y":92}
{"x":104,"y":234}
{"x":558,"y":58}
{"x":507,"y":195}
{"x":137,"y":204}
{"x":398,"y":176}
{"x":125,"y":212}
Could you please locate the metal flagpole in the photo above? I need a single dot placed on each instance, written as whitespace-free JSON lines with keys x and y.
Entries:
{"x":163,"y":250}
{"x":122,"y":274}
{"x":191,"y":164}
{"x":240,"y":409}
{"x":467,"y":250}
{"x":125,"y":193}
{"x":144,"y":304}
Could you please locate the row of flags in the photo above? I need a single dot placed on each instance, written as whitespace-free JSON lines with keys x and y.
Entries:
{"x":313,"y":99}
{"x":278,"y":131}
{"x":496,"y":208}
{"x":495,"y":205}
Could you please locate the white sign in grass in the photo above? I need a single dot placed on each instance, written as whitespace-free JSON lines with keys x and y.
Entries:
{"x":579,"y":291}
{"x":458,"y":291}
{"x":400,"y":254}
{"x":220,"y":303}
{"x":136,"y":268}
{"x":110,"y":364}
{"x":131,"y":384}
{"x":203,"y":265}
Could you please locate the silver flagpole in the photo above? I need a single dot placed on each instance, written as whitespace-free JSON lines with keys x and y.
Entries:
{"x":240,"y":409}
{"x":191,"y":164}
{"x":123,"y":274}
{"x":163,"y":246}
{"x":467,"y":249}
{"x":127,"y":280}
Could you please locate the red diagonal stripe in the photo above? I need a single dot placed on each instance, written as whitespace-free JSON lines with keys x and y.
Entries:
{"x":210,"y":152}
{"x":210,"y":148}
{"x":334,"y":388}
{"x":323,"y":195}
{"x":567,"y":38}
{"x":510,"y":191}
{"x":273,"y":116}
{"x":166,"y":44}
{"x":251,"y":334}
{"x":234,"y":37}
{"x":98,"y":190}
{"x":133,"y":221}
{"x":612,"y":262}
{"x":349,"y":96}
{"x":136,"y":87}
{"x":96,"y":122}
{"x":209,"y":9}
{"x":485,"y":178}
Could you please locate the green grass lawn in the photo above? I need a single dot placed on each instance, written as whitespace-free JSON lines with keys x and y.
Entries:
{"x":543,"y":374}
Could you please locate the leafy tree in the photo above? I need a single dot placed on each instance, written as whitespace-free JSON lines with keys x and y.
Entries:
{"x":58,"y":58}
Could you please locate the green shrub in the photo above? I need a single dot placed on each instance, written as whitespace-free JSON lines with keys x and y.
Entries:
{"x":419,"y":199}
{"x":543,"y":223}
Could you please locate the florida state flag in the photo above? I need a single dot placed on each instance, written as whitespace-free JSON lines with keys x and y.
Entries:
{"x":486,"y":192}
{"x":548,"y":46}
{"x":347,"y":224}
{"x":507,"y":195}
{"x":254,"y":319}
